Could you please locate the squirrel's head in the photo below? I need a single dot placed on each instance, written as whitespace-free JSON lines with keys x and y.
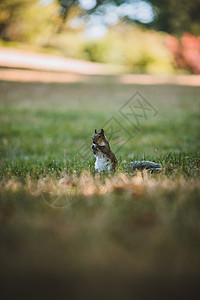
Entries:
{"x":99,"y":138}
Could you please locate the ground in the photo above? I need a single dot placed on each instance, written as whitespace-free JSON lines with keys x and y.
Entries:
{"x":69,"y":232}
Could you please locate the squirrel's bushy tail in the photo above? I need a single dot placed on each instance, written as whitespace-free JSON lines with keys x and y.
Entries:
{"x":145,"y":164}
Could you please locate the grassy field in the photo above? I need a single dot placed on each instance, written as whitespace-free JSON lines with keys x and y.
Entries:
{"x":69,"y":232}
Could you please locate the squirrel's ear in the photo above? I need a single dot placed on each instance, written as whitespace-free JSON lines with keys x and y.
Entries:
{"x":102,"y":131}
{"x":95,"y":131}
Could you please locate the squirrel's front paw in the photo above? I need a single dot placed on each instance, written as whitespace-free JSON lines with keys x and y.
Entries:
{"x":94,"y":148}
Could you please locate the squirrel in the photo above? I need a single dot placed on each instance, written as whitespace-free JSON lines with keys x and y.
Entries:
{"x":106,"y":159}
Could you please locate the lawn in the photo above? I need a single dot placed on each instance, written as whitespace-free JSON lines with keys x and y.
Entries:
{"x":71,"y":233}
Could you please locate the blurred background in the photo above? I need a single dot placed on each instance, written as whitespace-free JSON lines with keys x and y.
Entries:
{"x":66,"y":68}
{"x":134,"y":36}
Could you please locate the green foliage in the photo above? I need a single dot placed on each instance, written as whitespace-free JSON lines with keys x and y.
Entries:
{"x":106,"y":50}
{"x":140,"y":50}
{"x":145,"y":51}
{"x":27,"y":20}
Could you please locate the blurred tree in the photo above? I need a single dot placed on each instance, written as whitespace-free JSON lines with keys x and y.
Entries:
{"x":66,"y":5}
{"x":19,"y":17}
{"x":170,"y":16}
{"x":177,"y":16}
{"x":27,"y":20}
{"x":9,"y":9}
{"x":186,"y":52}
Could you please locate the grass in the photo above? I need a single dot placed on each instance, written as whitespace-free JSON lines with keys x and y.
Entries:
{"x":69,"y":232}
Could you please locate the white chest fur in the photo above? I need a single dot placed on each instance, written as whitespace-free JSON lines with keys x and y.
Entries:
{"x":102,"y":163}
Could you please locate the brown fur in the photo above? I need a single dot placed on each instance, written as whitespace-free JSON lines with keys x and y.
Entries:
{"x":99,"y":139}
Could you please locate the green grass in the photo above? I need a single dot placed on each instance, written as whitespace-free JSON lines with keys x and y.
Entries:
{"x":113,"y":236}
